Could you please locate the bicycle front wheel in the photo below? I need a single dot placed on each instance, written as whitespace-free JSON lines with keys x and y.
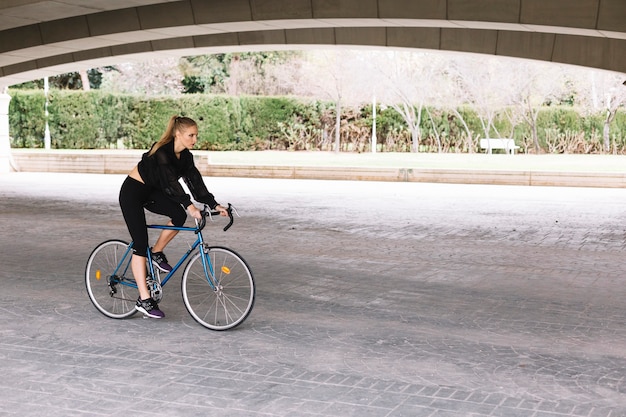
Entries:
{"x":110,"y":291}
{"x":221,"y":300}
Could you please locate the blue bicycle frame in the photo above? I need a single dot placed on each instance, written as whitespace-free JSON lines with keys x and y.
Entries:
{"x":206,"y":262}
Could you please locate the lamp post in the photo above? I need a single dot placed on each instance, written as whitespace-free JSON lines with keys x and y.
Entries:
{"x":374,"y":140}
{"x":46,"y":136}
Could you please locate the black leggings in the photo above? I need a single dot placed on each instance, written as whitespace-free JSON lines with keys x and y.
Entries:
{"x":134,"y":197}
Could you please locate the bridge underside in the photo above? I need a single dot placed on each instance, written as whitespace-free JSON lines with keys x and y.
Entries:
{"x":39,"y":38}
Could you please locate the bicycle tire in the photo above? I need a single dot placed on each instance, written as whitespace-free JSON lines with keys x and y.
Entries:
{"x":230,"y":303}
{"x":111,"y":298}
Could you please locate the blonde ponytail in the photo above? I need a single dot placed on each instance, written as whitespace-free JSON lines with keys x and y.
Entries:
{"x":176,"y":123}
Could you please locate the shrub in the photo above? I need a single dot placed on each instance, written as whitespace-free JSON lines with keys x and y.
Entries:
{"x":95,"y":119}
{"x":27,"y":119}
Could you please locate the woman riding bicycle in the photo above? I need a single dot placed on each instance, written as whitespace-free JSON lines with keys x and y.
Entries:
{"x":153,"y":184}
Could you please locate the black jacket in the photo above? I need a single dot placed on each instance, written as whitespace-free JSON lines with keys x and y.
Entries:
{"x":162,"y":170}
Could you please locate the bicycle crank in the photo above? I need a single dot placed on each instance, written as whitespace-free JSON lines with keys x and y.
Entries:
{"x":156,"y":291}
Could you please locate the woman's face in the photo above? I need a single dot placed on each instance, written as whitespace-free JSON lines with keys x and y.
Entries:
{"x":186,"y":137}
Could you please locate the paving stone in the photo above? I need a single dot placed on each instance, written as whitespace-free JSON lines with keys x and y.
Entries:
{"x":382,"y":299}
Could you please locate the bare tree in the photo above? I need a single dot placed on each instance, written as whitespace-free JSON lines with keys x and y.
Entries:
{"x":149,"y":77}
{"x":447,"y":97}
{"x":407,"y":85}
{"x":602,"y":92}
{"x":338,"y":75}
{"x":249,"y":76}
{"x":533,"y":86}
{"x":284,"y":78}
{"x":483,"y":83}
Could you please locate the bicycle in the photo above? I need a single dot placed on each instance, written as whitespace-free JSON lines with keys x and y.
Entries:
{"x":217,"y":284}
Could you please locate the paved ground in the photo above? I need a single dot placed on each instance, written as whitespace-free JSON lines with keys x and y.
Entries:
{"x":374,"y":299}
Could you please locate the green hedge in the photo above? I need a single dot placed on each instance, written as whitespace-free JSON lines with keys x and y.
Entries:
{"x":99,"y":120}
{"x":27,"y":121}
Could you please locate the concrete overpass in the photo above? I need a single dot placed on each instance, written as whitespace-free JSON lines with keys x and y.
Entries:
{"x":45,"y":37}
{"x":48,"y":37}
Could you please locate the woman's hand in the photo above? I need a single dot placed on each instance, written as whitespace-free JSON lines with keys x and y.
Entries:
{"x":194,"y":212}
{"x":223,"y":211}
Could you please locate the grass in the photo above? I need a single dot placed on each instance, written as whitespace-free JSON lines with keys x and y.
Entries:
{"x":518,"y":162}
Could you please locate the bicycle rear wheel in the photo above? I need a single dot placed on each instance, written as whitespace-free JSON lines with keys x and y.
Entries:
{"x":229,"y":301}
{"x":111,"y":292}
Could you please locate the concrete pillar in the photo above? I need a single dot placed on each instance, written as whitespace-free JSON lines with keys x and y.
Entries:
{"x":5,"y":143}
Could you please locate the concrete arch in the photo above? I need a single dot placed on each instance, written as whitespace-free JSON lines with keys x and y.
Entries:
{"x":39,"y":38}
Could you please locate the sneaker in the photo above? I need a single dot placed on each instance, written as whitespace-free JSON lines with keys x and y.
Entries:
{"x":149,"y":308}
{"x":160,"y":261}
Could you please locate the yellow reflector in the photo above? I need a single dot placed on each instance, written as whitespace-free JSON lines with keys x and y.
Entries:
{"x":98,"y":275}
{"x":226,"y":270}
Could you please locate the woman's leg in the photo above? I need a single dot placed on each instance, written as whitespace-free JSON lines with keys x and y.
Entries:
{"x":161,"y":204}
{"x":140,"y":272}
{"x":145,"y":304}
{"x":133,"y":195}
{"x":165,"y":237}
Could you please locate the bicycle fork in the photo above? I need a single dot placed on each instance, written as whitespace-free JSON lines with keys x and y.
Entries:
{"x":208,"y":267}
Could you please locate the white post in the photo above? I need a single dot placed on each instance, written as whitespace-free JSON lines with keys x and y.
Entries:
{"x":46,"y":135}
{"x":5,"y":143}
{"x":374,"y":140}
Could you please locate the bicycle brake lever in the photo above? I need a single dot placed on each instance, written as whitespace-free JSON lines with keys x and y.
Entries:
{"x":230,"y":216}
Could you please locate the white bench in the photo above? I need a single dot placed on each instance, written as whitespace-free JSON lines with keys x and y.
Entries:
{"x":507,"y":144}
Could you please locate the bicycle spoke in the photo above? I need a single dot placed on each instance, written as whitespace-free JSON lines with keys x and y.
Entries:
{"x":114,"y":297}
{"x":230,"y":302}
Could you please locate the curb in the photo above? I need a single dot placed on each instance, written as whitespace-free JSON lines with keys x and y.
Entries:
{"x":116,"y":162}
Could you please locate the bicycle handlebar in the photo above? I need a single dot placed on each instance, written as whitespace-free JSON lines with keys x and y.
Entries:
{"x":205,"y":212}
